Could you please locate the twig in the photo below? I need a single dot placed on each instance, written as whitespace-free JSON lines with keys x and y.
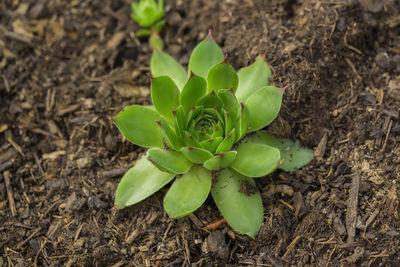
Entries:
{"x":387,"y":136}
{"x":29,"y":237}
{"x":11,"y":202}
{"x":114,"y":173}
{"x":351,"y":215}
{"x":291,"y":246}
{"x":5,"y":165}
{"x":215,"y":225}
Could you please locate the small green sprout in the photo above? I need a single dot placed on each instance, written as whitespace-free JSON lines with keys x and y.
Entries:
{"x":148,"y":14}
{"x":197,"y":132}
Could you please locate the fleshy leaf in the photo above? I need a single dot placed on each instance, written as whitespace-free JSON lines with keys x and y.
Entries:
{"x":196,"y":155}
{"x":210,"y":101}
{"x":172,"y":161}
{"x":138,"y":125}
{"x":239,"y":202}
{"x":204,"y":56}
{"x":194,"y":89}
{"x":179,"y":121}
{"x":212,"y":144}
{"x":222,"y":76}
{"x":159,"y":25}
{"x":156,"y":42}
{"x":252,"y":78}
{"x":190,"y":141}
{"x":165,"y":96}
{"x":293,"y":154}
{"x":227,"y":143}
{"x":220,"y":161}
{"x":143,"y":33}
{"x":256,"y":160}
{"x":188,"y":192}
{"x":242,"y":123}
{"x":164,"y":65}
{"x":230,"y":103}
{"x":228,"y":121}
{"x":194,"y":111}
{"x":170,"y":135}
{"x":140,"y":182}
{"x":264,"y":105}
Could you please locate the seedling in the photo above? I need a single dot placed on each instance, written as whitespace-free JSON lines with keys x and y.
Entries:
{"x":204,"y":130}
{"x":148,"y":14}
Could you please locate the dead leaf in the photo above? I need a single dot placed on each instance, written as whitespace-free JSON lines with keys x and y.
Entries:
{"x":55,"y":31}
{"x":22,"y":29}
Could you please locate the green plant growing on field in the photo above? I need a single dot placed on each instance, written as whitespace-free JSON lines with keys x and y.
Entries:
{"x":204,"y":130}
{"x":148,"y":14}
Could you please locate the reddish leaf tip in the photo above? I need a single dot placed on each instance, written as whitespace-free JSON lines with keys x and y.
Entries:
{"x":209,"y":35}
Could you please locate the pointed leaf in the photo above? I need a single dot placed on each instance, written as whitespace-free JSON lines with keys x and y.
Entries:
{"x":264,"y":105}
{"x":196,"y":155}
{"x":242,"y":123}
{"x":138,"y":125}
{"x":231,"y":105}
{"x":222,"y":76}
{"x":293,"y":154}
{"x":204,"y":56}
{"x":140,"y":182}
{"x":227,"y":143}
{"x":172,"y":161}
{"x":179,"y":121}
{"x":170,"y":135}
{"x":255,"y":160}
{"x":188,"y":192}
{"x":239,"y":202}
{"x":165,"y":96}
{"x":194,"y":111}
{"x":164,"y":65}
{"x":220,"y":161}
{"x":190,"y":141}
{"x":210,"y":101}
{"x":211,"y":144}
{"x":194,"y":89}
{"x":252,"y":78}
{"x":228,"y":121}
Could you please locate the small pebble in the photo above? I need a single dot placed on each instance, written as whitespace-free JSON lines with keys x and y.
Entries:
{"x":382,"y":60}
{"x":84,"y":162}
{"x":111,"y":143}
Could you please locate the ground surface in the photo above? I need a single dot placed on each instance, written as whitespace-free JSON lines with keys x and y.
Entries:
{"x":68,"y":67}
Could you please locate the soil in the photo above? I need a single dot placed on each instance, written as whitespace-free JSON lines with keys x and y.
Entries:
{"x":68,"y":67}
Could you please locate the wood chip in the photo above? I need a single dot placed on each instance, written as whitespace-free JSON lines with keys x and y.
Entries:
{"x":69,"y":109}
{"x":54,"y":155}
{"x":11,"y":202}
{"x":351,"y":214}
{"x":320,"y":150}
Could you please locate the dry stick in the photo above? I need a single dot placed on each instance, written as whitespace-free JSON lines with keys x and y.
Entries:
{"x":351,"y":214}
{"x":29,"y":237}
{"x":387,"y":136}
{"x":291,"y":246}
{"x":11,"y":202}
{"x":215,"y":225}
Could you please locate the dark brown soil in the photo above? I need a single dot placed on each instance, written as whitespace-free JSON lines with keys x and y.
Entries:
{"x":68,"y":67}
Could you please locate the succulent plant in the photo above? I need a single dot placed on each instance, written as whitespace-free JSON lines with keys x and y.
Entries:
{"x":147,"y":12}
{"x":196,"y":132}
